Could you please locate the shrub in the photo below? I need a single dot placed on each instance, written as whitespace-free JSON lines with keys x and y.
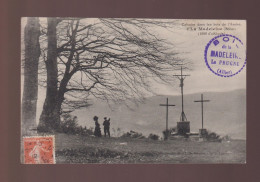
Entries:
{"x":153,"y":136}
{"x":212,"y":136}
{"x":167,"y":134}
{"x":132,"y":134}
{"x":88,"y":131}
{"x":69,"y":125}
{"x":226,"y":138}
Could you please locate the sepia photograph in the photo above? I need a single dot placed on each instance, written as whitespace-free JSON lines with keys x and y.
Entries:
{"x":133,"y":91}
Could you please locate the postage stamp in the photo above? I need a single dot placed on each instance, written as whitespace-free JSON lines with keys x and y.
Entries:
{"x":225,"y":55}
{"x":39,"y":150}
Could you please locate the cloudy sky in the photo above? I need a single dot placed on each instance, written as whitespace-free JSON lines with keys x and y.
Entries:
{"x":192,"y":47}
{"x":202,"y":79}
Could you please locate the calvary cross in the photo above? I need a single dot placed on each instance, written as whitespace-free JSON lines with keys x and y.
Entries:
{"x":167,"y":106}
{"x":202,"y":106}
{"x":181,"y":77}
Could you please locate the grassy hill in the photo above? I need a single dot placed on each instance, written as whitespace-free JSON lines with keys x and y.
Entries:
{"x":82,"y":149}
{"x":224,"y":114}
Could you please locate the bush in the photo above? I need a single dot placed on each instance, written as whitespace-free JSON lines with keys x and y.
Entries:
{"x":153,"y":137}
{"x":132,"y":134}
{"x":88,"y":131}
{"x":226,"y":138}
{"x":167,"y":134}
{"x":69,"y":125}
{"x":212,"y":136}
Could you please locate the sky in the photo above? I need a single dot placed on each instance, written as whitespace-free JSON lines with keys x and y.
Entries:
{"x":201,"y":79}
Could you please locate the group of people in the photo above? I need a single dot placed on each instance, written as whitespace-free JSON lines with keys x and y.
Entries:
{"x":106,"y":125}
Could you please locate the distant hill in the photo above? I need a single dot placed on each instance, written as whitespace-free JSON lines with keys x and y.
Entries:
{"x":224,"y":114}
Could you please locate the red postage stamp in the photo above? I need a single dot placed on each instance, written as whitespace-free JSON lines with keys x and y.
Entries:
{"x":39,"y":150}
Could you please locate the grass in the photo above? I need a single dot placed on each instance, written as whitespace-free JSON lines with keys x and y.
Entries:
{"x":82,"y":149}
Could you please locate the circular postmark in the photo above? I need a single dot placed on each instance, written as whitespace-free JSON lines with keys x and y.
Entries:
{"x":225,"y":55}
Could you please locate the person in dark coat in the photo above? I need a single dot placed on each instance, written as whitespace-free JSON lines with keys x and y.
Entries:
{"x":106,"y":125}
{"x":97,"y":131}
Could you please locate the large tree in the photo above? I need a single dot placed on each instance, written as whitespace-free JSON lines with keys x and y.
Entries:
{"x":50,"y":119}
{"x":111,"y":59}
{"x":31,"y":61}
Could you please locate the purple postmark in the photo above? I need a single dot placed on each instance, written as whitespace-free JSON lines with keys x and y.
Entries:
{"x":225,"y":55}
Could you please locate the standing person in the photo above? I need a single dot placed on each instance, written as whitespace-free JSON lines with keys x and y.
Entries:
{"x":106,"y":124}
{"x":97,"y":131}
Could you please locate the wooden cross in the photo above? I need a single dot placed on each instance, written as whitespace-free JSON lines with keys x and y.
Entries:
{"x":167,"y":106}
{"x":202,"y":106}
{"x":181,"y":77}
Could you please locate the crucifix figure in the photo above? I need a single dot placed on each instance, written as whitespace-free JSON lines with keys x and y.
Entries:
{"x":181,"y":77}
{"x":167,"y":106}
{"x":202,"y":106}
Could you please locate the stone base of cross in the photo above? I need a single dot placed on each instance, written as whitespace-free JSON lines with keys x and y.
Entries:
{"x":183,"y":127}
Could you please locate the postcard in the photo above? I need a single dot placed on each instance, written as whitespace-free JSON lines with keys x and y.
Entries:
{"x":129,"y":90}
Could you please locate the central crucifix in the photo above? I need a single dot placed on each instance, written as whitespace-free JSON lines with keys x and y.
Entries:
{"x":181,"y":77}
{"x":183,"y":127}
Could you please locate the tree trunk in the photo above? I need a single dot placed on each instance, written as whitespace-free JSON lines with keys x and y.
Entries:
{"x":50,"y":117}
{"x":30,"y":90}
